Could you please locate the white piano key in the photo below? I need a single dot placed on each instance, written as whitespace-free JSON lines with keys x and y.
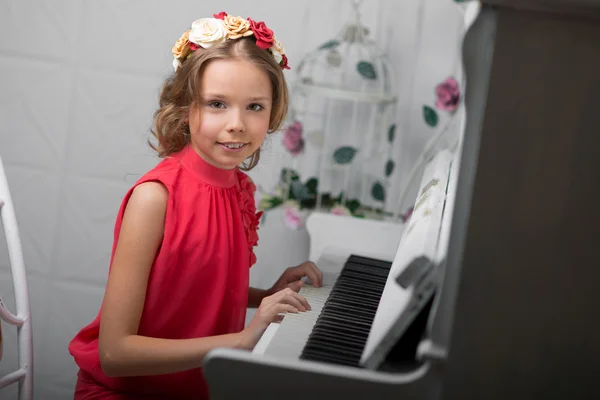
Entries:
{"x":266,"y":338}
{"x":297,"y":327}
{"x":294,"y":329}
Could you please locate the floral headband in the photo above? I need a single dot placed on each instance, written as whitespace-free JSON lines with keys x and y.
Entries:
{"x":206,"y":32}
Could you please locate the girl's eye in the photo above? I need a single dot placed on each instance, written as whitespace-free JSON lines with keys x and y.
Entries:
{"x":255,"y":107}
{"x":216,"y":104}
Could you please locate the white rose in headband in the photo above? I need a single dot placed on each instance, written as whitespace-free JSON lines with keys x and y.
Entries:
{"x":277,"y":50}
{"x":206,"y":32}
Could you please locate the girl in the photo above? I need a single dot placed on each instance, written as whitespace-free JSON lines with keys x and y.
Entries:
{"x":185,"y":232}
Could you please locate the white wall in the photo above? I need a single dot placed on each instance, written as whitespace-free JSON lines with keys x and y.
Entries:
{"x":79,"y":83}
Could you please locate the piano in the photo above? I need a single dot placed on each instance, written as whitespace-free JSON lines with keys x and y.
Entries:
{"x":492,"y":287}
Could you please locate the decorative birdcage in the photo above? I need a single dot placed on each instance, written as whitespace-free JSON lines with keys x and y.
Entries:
{"x":340,"y":126}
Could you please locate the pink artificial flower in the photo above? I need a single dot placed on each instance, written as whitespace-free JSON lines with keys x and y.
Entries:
{"x":407,"y":214}
{"x":284,"y":62}
{"x":292,"y":138}
{"x":448,"y":95}
{"x":292,"y":218}
{"x":340,"y":210}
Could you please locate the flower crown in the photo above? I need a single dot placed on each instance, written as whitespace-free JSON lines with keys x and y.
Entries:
{"x":206,"y":32}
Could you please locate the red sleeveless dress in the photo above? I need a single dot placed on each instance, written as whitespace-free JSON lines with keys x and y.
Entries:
{"x":198,"y":284}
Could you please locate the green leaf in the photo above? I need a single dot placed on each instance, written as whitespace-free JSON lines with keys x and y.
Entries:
{"x":299,"y":190}
{"x":309,"y":203}
{"x":330,"y":44}
{"x":431,"y":117}
{"x":389,"y":167}
{"x":291,"y":195}
{"x":277,"y":202}
{"x":344,"y":154}
{"x":273,"y":202}
{"x":391,"y":133}
{"x":378,"y":191}
{"x":366,"y":70}
{"x":353,"y":205}
{"x":326,"y":199}
{"x":288,"y":174}
{"x":312,"y":185}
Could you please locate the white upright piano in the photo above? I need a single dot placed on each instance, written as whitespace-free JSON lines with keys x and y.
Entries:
{"x":492,"y":289}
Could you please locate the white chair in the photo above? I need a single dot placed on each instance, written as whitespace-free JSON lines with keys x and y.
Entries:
{"x":22,"y":320}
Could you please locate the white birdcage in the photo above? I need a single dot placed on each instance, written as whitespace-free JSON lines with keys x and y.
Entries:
{"x":343,"y":99}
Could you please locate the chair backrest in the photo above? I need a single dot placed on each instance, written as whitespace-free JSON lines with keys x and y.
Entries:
{"x":23,"y":376}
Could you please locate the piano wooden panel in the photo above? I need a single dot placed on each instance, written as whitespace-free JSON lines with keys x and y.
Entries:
{"x":524,"y":246}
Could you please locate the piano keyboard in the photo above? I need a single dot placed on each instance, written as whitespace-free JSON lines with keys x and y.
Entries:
{"x":336,"y":328}
{"x":294,"y":329}
{"x":341,"y":331}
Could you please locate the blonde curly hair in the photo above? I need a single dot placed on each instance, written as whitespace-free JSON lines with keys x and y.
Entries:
{"x":181,"y":89}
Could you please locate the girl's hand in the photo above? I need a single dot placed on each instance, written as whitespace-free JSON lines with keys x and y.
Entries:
{"x":292,"y":277}
{"x":284,"y":301}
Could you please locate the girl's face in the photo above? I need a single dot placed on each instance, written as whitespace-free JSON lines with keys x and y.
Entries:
{"x":232,"y":118}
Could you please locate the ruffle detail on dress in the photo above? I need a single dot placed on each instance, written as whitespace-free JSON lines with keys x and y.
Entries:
{"x":250,"y":217}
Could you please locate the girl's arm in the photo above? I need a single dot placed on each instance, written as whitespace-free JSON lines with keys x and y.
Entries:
{"x":122,"y":351}
{"x":125,"y":353}
{"x":255,"y":296}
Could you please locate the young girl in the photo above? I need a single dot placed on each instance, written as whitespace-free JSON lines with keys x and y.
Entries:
{"x":185,"y":232}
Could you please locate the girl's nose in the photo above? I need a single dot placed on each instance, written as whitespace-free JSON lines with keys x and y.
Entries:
{"x":236,"y":123}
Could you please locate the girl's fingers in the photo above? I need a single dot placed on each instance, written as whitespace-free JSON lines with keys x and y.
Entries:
{"x":283,"y":308}
{"x":294,"y":301}
{"x":318,"y":282}
{"x":290,"y":295}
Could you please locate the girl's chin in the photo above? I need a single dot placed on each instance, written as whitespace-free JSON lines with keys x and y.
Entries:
{"x":231,"y":160}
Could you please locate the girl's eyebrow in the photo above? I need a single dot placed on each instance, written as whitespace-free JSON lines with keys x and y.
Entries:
{"x":213,"y":96}
{"x":223,"y":97}
{"x":259,"y":98}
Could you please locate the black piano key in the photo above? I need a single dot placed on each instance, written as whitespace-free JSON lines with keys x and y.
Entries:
{"x":354,"y":285}
{"x":329,"y":357}
{"x":369,"y":270}
{"x":369,"y":292}
{"x":343,"y":322}
{"x":351,"y":310}
{"x":385,"y":265}
{"x":344,"y":319}
{"x":338,"y":348}
{"x":342,"y":328}
{"x":359,"y":303}
{"x":364,"y":303}
{"x":365,"y":277}
{"x":323,"y":344}
{"x":340,"y":336}
{"x":326,"y":350}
